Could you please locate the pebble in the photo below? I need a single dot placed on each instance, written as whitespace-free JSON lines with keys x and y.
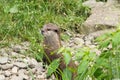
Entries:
{"x":20,"y":64}
{"x":15,"y":77}
{"x":2,"y":77}
{"x":7,"y":73}
{"x":6,"y":66}
{"x":17,"y":48}
{"x":79,"y":41}
{"x":3,"y":60}
{"x":14,"y":70}
{"x":25,"y":77}
{"x":31,"y":62}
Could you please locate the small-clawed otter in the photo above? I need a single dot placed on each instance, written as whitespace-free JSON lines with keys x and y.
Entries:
{"x":52,"y":43}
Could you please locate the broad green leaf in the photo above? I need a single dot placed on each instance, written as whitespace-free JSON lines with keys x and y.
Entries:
{"x":61,"y":50}
{"x":102,"y":62}
{"x":67,"y":74}
{"x":53,"y":66}
{"x":82,"y":67}
{"x":66,"y":52}
{"x":79,"y":55}
{"x":105,"y":43}
{"x":98,"y":72}
{"x":67,"y":57}
{"x":92,"y":56}
{"x":116,"y":39}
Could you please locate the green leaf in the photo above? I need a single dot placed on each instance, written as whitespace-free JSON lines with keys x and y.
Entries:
{"x":116,"y":39}
{"x":105,"y":43}
{"x":6,"y":8}
{"x":98,"y":72}
{"x":67,"y":57}
{"x":67,"y":74}
{"x":61,"y":50}
{"x":82,"y":67}
{"x":53,"y":66}
{"x":14,"y":9}
{"x":66,"y":52}
{"x":79,"y":54}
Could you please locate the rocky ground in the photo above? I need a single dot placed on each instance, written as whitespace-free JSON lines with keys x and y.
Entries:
{"x":16,"y":66}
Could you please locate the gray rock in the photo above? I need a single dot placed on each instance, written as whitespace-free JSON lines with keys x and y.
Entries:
{"x":2,"y":77}
{"x":3,"y":60}
{"x":14,"y":54}
{"x":21,"y":71}
{"x":4,"y":52}
{"x":32,"y":63}
{"x":20,"y":64}
{"x":25,"y":77}
{"x":6,"y":66}
{"x":78,"y":41}
{"x":93,"y":3}
{"x":39,"y":68}
{"x":103,"y":17}
{"x":14,"y":70}
{"x":7,"y":73}
{"x":15,"y":77}
{"x":88,"y":42}
{"x":42,"y":77}
{"x":17,"y":48}
{"x":33,"y":70}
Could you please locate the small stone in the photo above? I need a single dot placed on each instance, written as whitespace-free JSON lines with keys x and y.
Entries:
{"x":14,"y":77}
{"x":32,"y":63}
{"x":78,"y":41}
{"x":4,"y":52}
{"x":14,"y":53}
{"x":2,"y":77}
{"x":33,"y":70}
{"x":22,"y":71}
{"x":20,"y":65}
{"x":3,"y":60}
{"x":43,"y":76}
{"x":39,"y":68}
{"x":7,"y":73}
{"x":25,"y":77}
{"x":87,"y":43}
{"x":92,"y":46}
{"x":6,"y":66}
{"x":14,"y":69}
{"x":17,"y":48}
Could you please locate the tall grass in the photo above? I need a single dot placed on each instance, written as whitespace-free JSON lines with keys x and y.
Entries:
{"x":23,"y":18}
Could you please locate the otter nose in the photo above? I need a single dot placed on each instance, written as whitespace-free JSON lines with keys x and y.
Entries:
{"x":42,"y":31}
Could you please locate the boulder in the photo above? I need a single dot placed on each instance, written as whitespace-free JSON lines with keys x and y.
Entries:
{"x":102,"y":17}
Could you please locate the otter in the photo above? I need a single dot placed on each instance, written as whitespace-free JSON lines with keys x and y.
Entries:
{"x":52,"y":43}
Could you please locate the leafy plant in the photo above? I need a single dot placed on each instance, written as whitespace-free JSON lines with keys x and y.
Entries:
{"x":109,"y":59}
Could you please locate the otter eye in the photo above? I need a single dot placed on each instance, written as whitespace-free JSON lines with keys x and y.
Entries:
{"x":56,"y":31}
{"x":48,"y":29}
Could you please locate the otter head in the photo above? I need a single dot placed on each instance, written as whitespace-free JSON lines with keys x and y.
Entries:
{"x":51,"y":33}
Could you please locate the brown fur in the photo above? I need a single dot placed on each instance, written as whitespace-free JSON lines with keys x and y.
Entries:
{"x":52,"y":43}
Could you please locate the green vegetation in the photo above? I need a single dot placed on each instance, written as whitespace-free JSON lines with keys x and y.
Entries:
{"x":21,"y":20}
